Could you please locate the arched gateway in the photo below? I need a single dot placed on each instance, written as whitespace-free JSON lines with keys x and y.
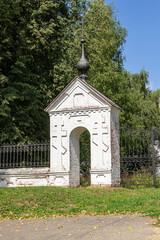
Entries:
{"x":74,"y":178}
{"x":77,"y":108}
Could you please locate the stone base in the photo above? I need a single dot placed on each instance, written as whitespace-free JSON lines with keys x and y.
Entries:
{"x":21,"y":177}
{"x":60,"y":179}
{"x":100,"y":178}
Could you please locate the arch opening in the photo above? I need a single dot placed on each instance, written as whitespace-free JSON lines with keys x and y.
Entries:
{"x":79,"y":157}
{"x":85,"y":163}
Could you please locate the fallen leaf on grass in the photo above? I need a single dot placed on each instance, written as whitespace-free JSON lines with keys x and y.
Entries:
{"x":83,"y":211}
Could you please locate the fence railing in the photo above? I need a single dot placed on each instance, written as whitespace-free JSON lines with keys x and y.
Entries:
{"x":139,"y":154}
{"x":140,"y":157}
{"x":25,"y":155}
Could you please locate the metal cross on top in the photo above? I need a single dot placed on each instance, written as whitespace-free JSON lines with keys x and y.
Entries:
{"x":82,"y":27}
{"x":83,"y":64}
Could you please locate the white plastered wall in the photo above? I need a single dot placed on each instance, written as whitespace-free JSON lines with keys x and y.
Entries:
{"x":78,"y":108}
{"x":97,"y":122}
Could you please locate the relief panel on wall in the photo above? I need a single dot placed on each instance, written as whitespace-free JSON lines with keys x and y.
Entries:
{"x":78,"y":100}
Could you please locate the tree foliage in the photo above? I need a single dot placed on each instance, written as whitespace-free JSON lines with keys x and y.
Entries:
{"x":35,"y":35}
{"x":40,"y":46}
{"x":105,"y":40}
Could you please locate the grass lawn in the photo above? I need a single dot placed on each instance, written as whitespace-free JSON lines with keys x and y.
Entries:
{"x":44,"y":202}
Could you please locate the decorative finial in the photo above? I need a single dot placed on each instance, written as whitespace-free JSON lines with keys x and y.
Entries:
{"x":83,"y":64}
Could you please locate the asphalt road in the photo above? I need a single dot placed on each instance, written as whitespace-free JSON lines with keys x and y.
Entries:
{"x":124,"y":227}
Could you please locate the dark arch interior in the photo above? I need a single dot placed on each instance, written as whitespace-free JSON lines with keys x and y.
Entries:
{"x":79,"y":157}
{"x":85,"y":162}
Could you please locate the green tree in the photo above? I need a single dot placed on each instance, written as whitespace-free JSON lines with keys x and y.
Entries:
{"x":34,"y":39}
{"x":105,"y":40}
{"x":40,"y":46}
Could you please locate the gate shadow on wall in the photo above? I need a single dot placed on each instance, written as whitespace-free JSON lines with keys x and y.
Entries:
{"x":79,"y":157}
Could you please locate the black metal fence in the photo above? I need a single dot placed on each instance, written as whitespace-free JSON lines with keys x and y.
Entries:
{"x":25,"y":155}
{"x":140,"y":157}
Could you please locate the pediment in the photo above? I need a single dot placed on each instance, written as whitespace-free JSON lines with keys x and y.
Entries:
{"x":77,"y":95}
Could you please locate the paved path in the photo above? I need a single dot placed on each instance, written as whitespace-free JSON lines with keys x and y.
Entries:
{"x":125,"y":227}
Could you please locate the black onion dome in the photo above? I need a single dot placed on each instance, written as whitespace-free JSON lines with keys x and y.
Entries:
{"x":83,"y":65}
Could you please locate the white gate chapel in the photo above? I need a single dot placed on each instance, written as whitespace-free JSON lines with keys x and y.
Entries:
{"x":77,"y":108}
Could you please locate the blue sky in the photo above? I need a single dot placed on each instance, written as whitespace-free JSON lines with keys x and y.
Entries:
{"x":141,"y":18}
